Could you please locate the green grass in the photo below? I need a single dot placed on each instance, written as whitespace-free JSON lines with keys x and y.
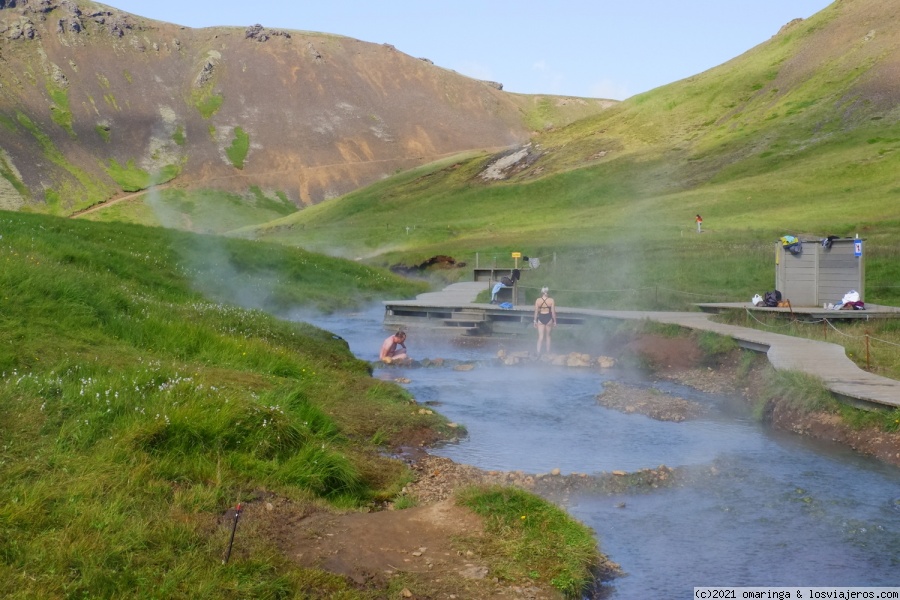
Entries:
{"x":209,"y":105}
{"x":179,"y":137}
{"x":132,"y":178}
{"x":129,"y":176}
{"x":136,"y":409}
{"x":797,"y":391}
{"x":524,"y":529}
{"x":804,"y":395}
{"x":103,"y":131}
{"x":237,"y":151}
{"x":714,"y":345}
{"x":210,"y":211}
{"x":60,"y":111}
{"x":9,"y":173}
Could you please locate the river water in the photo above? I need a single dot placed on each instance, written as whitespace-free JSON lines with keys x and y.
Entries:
{"x":767,"y":509}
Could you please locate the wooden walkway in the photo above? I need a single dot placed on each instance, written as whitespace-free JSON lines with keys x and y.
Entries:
{"x":823,"y":360}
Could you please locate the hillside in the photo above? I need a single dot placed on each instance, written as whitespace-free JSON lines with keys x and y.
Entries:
{"x":798,"y":135}
{"x":139,"y":412}
{"x":96,"y":102}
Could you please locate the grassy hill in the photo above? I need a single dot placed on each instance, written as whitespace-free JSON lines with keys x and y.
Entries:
{"x":798,"y":135}
{"x":137,"y":410}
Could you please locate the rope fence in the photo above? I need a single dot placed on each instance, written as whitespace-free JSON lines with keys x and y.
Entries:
{"x":655,"y":289}
{"x":866,"y":338}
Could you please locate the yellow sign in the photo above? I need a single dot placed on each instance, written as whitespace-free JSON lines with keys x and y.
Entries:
{"x":517,"y":255}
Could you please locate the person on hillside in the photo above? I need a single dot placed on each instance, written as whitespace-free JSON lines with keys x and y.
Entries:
{"x":544,"y":318}
{"x":699,"y":220}
{"x":394,"y":348}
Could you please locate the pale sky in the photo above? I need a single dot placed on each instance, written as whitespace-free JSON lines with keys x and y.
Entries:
{"x":590,"y":48}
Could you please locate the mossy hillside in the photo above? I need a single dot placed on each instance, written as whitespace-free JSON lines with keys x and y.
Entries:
{"x":77,"y":184}
{"x":99,"y":73}
{"x":137,"y":410}
{"x":132,"y":178}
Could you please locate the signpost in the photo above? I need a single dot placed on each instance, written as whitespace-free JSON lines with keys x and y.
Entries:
{"x":517,"y":256}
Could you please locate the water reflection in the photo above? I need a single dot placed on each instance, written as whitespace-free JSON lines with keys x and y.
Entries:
{"x":764,"y":508}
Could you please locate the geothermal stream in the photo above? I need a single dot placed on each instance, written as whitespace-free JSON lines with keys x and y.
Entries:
{"x":762,"y":508}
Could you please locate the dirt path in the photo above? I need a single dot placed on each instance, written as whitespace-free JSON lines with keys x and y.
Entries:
{"x":432,"y":548}
{"x":111,"y":202}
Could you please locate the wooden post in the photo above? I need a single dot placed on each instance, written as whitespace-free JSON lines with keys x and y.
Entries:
{"x":237,"y":515}
{"x":868,"y":366}
{"x":825,"y":329}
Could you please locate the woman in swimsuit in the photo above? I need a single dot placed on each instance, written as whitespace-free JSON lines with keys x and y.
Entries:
{"x":544,"y":317}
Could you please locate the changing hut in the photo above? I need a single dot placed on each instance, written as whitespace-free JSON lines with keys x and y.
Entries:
{"x":821,"y":272}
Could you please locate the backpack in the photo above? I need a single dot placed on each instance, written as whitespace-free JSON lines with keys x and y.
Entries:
{"x":507,"y":281}
{"x":791,"y":244}
{"x":771,"y":299}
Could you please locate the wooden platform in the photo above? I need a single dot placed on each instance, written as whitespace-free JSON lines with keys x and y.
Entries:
{"x":823,"y":360}
{"x":453,"y":309}
{"x":872,"y":311}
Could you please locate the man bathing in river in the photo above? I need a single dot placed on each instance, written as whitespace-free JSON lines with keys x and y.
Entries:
{"x":394,"y":348}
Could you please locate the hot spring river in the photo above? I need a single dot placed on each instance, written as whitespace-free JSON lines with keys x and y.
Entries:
{"x":781,"y":510}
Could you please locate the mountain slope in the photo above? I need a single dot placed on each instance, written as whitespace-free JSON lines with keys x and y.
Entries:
{"x":810,"y":114}
{"x":95,"y":101}
{"x":798,"y":135}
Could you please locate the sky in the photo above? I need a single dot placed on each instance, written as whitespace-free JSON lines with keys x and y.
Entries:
{"x":589,"y":48}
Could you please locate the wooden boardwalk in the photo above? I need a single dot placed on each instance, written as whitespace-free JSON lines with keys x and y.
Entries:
{"x":823,"y":360}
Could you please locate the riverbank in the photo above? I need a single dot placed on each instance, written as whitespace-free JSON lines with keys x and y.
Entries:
{"x":780,"y":412}
{"x":436,"y":548}
{"x":432,"y":548}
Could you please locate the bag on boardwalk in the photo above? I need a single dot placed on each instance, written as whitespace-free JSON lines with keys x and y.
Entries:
{"x":791,"y":244}
{"x":771,"y":299}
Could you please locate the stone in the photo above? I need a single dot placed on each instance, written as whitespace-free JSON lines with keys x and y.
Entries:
{"x":474,"y":572}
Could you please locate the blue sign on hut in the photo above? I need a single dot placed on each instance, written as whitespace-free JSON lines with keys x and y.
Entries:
{"x":813,"y":272}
